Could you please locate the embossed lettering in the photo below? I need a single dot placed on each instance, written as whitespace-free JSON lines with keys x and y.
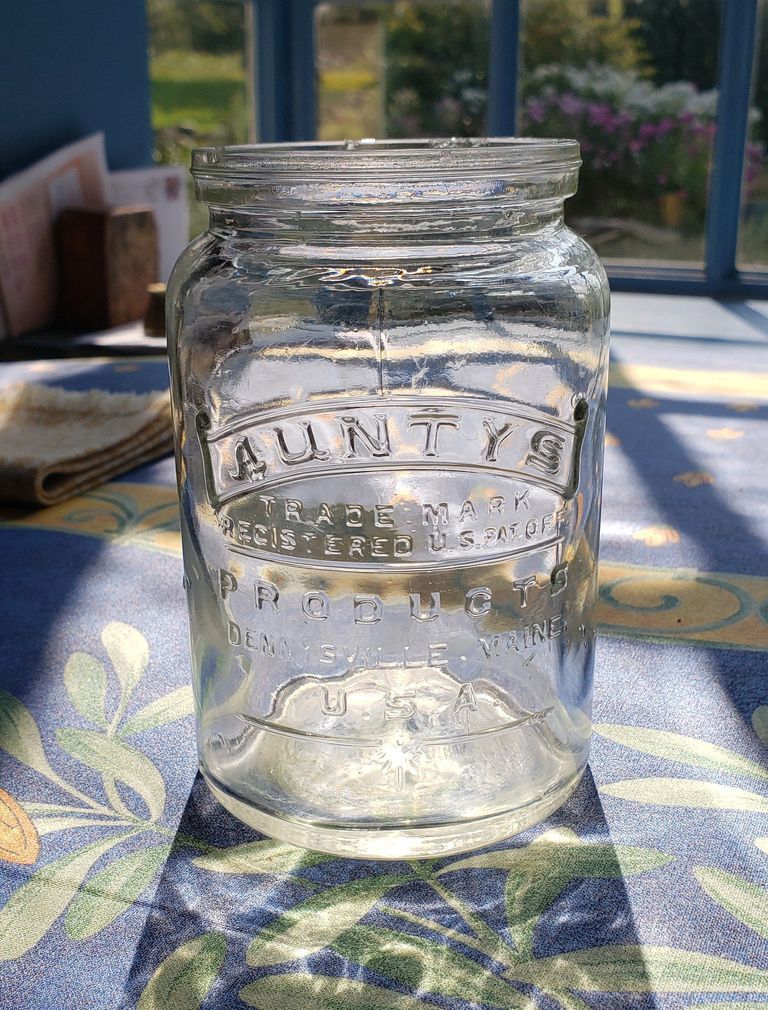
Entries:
{"x":287,"y":540}
{"x":262,"y":446}
{"x":538,"y":633}
{"x":477,"y":602}
{"x":433,"y":421}
{"x":315,"y":605}
{"x":402,"y":546}
{"x":467,"y":699}
{"x":268,"y":501}
{"x":333,"y":545}
{"x":437,"y":652}
{"x":557,"y":626}
{"x":248,"y":466}
{"x":266,"y":644}
{"x":293,"y":510}
{"x":265,"y":592}
{"x":558,"y":579}
{"x":354,"y":516}
{"x":496,"y":437}
{"x":227,"y":583}
{"x":467,"y":511}
{"x":546,"y":451}
{"x":379,"y":547}
{"x":324,"y":514}
{"x":375,"y":442}
{"x":524,"y":638}
{"x":382,"y":516}
{"x":434,"y":514}
{"x":522,"y":586}
{"x":417,"y":611}
{"x":333,"y":702}
{"x":437,"y":541}
{"x":366,"y":608}
{"x":399,"y":706}
{"x":306,"y":452}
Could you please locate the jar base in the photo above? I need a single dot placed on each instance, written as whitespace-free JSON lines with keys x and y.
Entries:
{"x":401,"y":841}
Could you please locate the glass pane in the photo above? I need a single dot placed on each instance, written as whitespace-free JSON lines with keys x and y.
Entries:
{"x":401,"y":69}
{"x":753,"y":235}
{"x":198,"y":72}
{"x":633,"y":81}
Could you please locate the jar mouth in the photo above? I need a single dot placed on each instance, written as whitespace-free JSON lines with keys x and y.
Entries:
{"x":395,"y":160}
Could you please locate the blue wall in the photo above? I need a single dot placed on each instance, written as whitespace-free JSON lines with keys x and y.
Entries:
{"x":69,"y":68}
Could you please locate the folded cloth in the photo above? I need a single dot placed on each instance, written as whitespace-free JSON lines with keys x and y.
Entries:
{"x":55,"y":443}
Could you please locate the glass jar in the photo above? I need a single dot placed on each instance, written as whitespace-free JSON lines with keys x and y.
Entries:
{"x":389,"y":374}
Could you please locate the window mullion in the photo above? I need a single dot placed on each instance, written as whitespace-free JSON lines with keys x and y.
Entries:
{"x":502,"y":73}
{"x":303,"y":69}
{"x":284,"y":66}
{"x":737,"y":49}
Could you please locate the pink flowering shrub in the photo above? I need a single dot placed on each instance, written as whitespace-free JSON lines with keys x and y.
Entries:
{"x":638,"y":141}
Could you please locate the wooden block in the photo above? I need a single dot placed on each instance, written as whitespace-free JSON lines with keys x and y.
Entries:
{"x":154,"y":320}
{"x":106,"y":259}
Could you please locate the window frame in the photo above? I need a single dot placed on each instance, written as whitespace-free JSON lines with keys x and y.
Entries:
{"x":284,"y":70}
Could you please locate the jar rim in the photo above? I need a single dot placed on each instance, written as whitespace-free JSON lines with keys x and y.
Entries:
{"x":395,"y":159}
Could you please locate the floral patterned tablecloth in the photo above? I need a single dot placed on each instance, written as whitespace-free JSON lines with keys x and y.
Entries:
{"x":124,"y":884}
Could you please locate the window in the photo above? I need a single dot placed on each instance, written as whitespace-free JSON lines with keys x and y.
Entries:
{"x":753,"y":235}
{"x":660,"y":93}
{"x":199,"y":77}
{"x":402,"y":69}
{"x":635,"y":83}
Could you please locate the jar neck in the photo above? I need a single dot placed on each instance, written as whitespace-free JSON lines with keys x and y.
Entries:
{"x":374,"y":194}
{"x":401,"y":223}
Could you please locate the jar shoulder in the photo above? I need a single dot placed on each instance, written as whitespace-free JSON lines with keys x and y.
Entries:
{"x":230,"y":283}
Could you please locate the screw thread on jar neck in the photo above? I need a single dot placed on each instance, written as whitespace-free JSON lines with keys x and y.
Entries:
{"x":374,"y":193}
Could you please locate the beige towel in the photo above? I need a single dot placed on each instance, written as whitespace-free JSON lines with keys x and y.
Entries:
{"x":55,"y":443}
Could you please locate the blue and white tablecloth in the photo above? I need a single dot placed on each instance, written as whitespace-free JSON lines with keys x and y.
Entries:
{"x":123,"y":884}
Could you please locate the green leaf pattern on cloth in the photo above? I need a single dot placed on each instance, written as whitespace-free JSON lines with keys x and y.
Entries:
{"x":20,"y":737}
{"x":760,"y":723}
{"x":63,"y":886}
{"x":36,"y":905}
{"x":635,"y":968}
{"x":685,"y":749}
{"x":128,"y":650}
{"x":113,"y":889}
{"x":263,"y":857}
{"x":315,"y":924}
{"x":670,"y":792}
{"x":184,"y":979}
{"x":416,"y":958}
{"x":746,"y":901}
{"x":427,"y":966}
{"x":539,"y":873}
{"x":117,"y":760}
{"x":86,"y":682}
{"x":176,"y":705}
{"x":319,"y":992}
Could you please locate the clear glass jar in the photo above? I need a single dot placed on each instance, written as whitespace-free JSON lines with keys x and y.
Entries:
{"x":389,"y":373}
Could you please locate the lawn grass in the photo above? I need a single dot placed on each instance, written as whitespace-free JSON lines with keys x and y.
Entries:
{"x":201,"y":92}
{"x":198,"y":99}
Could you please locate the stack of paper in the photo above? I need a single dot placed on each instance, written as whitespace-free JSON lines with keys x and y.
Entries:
{"x":74,"y":176}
